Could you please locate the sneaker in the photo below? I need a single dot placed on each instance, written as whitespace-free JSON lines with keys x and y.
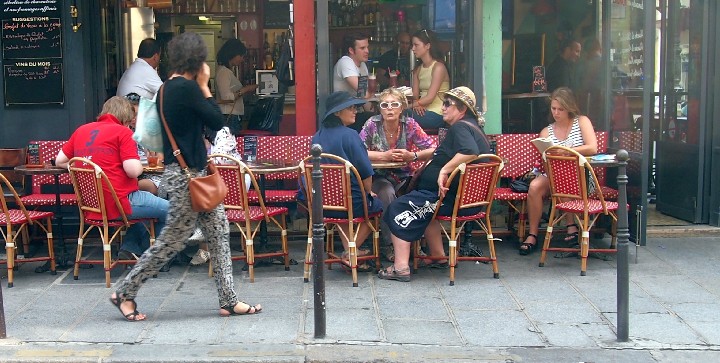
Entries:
{"x":197,"y":236}
{"x":201,"y":257}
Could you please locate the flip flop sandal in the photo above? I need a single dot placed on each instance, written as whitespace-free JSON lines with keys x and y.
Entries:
{"x":393,"y":274}
{"x":132,"y":316}
{"x":230,"y":310}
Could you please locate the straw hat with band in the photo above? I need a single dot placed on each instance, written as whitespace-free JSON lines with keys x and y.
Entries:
{"x":338,"y":101}
{"x":464,"y":95}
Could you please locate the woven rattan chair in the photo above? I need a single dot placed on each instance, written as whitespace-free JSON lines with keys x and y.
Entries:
{"x":568,"y":172}
{"x":476,"y":188}
{"x":89,"y":180}
{"x":15,"y":223}
{"x":247,"y":217}
{"x":337,"y":196}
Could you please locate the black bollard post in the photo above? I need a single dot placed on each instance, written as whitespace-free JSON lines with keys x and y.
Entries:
{"x":623,"y":235}
{"x":318,"y":236}
{"x":3,"y":329}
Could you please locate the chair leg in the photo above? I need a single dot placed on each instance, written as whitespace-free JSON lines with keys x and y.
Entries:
{"x":283,"y":239}
{"x":10,"y":255}
{"x":493,"y":259}
{"x":584,"y":249}
{"x":107,"y":257}
{"x":522,"y":221}
{"x":452,"y":258}
{"x":546,"y":245}
{"x":353,"y":261}
{"x":250,"y":256}
{"x":78,"y":255}
{"x":376,"y":244}
{"x":308,"y":259}
{"x":51,"y":247}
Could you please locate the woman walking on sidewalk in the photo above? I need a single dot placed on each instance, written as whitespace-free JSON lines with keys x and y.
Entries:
{"x":188,"y":107}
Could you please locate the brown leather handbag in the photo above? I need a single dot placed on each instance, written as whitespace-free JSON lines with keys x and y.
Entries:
{"x":206,"y":192}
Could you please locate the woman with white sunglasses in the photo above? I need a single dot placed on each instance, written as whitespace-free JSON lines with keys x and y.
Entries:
{"x":389,"y":137}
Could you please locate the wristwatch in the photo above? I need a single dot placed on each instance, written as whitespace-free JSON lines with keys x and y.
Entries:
{"x":416,"y":156}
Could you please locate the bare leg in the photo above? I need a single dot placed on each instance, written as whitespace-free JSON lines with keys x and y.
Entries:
{"x":539,"y":189}
{"x":433,"y":235}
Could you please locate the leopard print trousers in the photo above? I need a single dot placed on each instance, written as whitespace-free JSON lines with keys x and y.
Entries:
{"x":181,"y":222}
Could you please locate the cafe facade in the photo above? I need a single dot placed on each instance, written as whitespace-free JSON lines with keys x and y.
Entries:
{"x":653,"y":85}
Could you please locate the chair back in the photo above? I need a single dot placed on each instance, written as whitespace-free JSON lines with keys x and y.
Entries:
{"x":336,"y":183}
{"x":477,"y":182}
{"x":48,"y":151}
{"x":89,"y":181}
{"x":283,"y":148}
{"x":233,"y":172}
{"x":518,"y":154}
{"x":568,"y":173}
{"x":6,"y":211}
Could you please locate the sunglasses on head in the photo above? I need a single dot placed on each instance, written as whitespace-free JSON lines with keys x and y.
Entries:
{"x":133,"y":97}
{"x":389,"y":105}
{"x":447,"y":103}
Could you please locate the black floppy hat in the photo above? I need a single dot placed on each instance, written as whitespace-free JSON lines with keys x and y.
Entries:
{"x":340,"y":100}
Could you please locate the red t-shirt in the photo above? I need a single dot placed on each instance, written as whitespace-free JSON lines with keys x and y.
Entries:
{"x":107,"y":143}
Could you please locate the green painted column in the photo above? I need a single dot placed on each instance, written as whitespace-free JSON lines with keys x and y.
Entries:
{"x":492,"y":59}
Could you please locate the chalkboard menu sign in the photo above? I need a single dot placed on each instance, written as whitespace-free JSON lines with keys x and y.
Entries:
{"x":528,"y":52}
{"x":32,"y":52}
{"x":277,"y":14}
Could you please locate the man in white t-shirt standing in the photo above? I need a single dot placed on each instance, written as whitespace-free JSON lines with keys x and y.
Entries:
{"x":351,"y":73}
{"x":142,"y":77}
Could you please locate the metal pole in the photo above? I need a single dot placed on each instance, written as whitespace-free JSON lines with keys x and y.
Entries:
{"x":623,"y":234}
{"x":318,"y":236}
{"x":3,"y":330}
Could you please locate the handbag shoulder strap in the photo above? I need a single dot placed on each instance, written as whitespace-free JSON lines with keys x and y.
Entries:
{"x":176,"y":151}
{"x":477,"y":128}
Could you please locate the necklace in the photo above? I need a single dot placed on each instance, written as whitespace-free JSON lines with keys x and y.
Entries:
{"x":392,"y":134}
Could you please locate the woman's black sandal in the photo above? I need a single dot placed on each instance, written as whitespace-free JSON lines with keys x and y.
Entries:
{"x":573,"y":239}
{"x":528,"y":248}
{"x":132,"y":316}
{"x":252,"y":309}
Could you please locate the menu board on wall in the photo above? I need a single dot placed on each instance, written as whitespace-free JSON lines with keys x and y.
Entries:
{"x":32,"y":52}
{"x":627,"y":39}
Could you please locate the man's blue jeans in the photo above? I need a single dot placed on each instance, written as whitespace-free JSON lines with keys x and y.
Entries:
{"x":144,"y":205}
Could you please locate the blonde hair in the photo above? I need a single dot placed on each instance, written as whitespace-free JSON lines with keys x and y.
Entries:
{"x":566,"y":98}
{"x":119,"y":107}
{"x":394,"y":92}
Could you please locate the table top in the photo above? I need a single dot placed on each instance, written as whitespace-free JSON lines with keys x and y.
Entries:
{"x":606,"y":161}
{"x":154,"y":170}
{"x":40,"y":170}
{"x":388,"y":164}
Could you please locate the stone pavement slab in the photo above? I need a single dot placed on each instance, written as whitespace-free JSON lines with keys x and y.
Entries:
{"x":529,"y":314}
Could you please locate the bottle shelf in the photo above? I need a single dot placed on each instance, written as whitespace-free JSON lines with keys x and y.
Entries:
{"x":352,"y":27}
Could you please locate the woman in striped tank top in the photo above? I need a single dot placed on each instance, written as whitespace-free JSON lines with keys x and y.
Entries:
{"x":570,"y":129}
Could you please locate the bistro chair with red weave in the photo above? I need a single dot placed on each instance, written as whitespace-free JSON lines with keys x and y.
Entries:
{"x":247,"y":218}
{"x":337,"y":196}
{"x":281,"y":149}
{"x":43,"y":186}
{"x":90,"y":182}
{"x":476,"y":189}
{"x":568,"y":171}
{"x":520,"y":156}
{"x":15,"y":222}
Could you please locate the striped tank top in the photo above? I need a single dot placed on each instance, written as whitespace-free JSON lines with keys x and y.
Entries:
{"x":573,"y":139}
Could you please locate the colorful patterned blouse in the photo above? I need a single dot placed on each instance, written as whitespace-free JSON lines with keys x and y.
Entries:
{"x":374,"y":138}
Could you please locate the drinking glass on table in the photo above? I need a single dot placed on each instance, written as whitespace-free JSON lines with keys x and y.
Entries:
{"x":152,"y":159}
